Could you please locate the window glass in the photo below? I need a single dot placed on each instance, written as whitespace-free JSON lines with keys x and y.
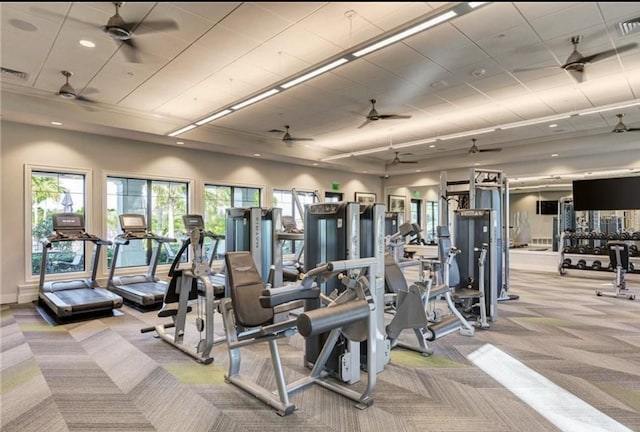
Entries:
{"x":55,"y":192}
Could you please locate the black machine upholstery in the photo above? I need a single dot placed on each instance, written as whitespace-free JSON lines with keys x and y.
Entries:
{"x":394,"y":279}
{"x":246,"y":287}
{"x":621,"y":259}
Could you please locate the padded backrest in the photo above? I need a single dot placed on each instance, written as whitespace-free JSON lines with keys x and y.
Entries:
{"x":444,"y":246}
{"x":621,"y":259}
{"x":394,"y":279}
{"x":245,"y":285}
{"x":172,"y":295}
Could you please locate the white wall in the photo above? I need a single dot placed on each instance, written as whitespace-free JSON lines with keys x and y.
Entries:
{"x":43,"y":146}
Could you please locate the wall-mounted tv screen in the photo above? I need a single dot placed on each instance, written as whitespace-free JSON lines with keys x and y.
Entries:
{"x":607,"y":194}
{"x":547,"y":207}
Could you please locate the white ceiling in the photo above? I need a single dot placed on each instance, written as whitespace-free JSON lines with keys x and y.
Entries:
{"x":223,"y":52}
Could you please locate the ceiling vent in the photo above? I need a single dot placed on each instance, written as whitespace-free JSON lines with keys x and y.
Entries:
{"x":14,"y":74}
{"x":626,"y":28}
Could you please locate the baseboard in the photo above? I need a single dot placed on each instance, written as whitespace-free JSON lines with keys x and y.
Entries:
{"x":8,"y":298}
{"x":27,"y":293}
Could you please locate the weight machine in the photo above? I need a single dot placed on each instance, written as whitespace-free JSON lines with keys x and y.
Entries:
{"x":195,"y":284}
{"x":619,"y":257}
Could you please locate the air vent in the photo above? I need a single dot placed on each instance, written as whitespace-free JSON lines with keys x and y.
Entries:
{"x":6,"y":72}
{"x":626,"y":28}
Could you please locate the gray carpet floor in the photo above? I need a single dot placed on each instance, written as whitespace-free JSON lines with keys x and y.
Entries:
{"x":104,"y":375}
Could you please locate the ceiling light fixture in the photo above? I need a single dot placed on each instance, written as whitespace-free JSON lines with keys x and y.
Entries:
{"x":608,"y":108}
{"x":87,"y":43}
{"x":314,"y":73}
{"x":406,"y":33}
{"x":553,"y":125}
{"x":183,"y":130}
{"x":56,"y":123}
{"x":554,"y":155}
{"x":213,"y":117}
{"x":255,"y":99}
{"x":432,"y":19}
{"x":533,"y":122}
{"x":257,"y":154}
{"x":180,"y":142}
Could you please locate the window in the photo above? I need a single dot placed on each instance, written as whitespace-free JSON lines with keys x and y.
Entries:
{"x":283,"y":198}
{"x":217,"y":199}
{"x":415,"y":211}
{"x":161,"y":202}
{"x":55,"y":192}
{"x":432,"y":222}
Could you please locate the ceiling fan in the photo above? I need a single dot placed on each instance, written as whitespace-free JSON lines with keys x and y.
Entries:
{"x":621,"y":127}
{"x":68,"y":92}
{"x":576,"y":62}
{"x":396,"y":160}
{"x":287,"y":138}
{"x":375,"y":115}
{"x":474,"y":148}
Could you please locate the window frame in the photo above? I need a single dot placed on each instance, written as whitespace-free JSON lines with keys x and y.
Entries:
{"x":29,"y":169}
{"x":146,"y":177}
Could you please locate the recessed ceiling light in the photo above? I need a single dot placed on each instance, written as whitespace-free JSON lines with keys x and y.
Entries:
{"x":365,"y":172}
{"x":432,"y":146}
{"x":315,"y":164}
{"x":87,"y":43}
{"x":439,"y":84}
{"x":418,"y":170}
{"x":554,"y":155}
{"x":180,"y":142}
{"x":476,"y":163}
{"x":553,"y":125}
{"x":55,"y":123}
{"x":257,"y":154}
{"x":478,"y":72}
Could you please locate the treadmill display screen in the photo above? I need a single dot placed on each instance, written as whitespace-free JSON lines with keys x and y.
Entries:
{"x":193,"y":221}
{"x":132,"y":222}
{"x":67,"y":221}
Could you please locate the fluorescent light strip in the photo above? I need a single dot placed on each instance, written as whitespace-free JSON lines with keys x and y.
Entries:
{"x":213,"y":117}
{"x":314,"y":73}
{"x":474,"y":5}
{"x":255,"y":99}
{"x":464,"y":134}
{"x":599,"y":110}
{"x":409,"y":32}
{"x":183,"y":130}
{"x":534,"y":122}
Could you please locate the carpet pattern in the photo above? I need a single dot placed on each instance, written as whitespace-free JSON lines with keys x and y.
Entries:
{"x":104,"y":375}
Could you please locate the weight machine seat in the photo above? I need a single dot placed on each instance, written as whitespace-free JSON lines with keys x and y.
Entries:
{"x":394,"y":279}
{"x":613,"y":247}
{"x":246,"y":287}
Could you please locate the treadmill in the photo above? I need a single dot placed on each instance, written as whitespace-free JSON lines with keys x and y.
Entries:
{"x":140,"y":290}
{"x":76,"y":298}
{"x":195,"y":221}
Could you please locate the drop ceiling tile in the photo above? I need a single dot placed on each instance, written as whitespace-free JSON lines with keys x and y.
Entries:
{"x":508,"y":42}
{"x":211,"y":11}
{"x":565,"y":99}
{"x":388,"y":15}
{"x":457,"y":92}
{"x":299,"y":43}
{"x":533,"y":10}
{"x":526,"y":108}
{"x":494,"y":82}
{"x":481,"y":23}
{"x":619,"y":11}
{"x":553,"y":78}
{"x":606,"y":89}
{"x":569,"y":21}
{"x":255,"y":23}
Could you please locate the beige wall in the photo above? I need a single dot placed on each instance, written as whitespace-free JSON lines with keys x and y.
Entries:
{"x":50,"y":147}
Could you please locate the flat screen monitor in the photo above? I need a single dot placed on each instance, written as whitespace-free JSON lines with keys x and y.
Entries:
{"x":607,"y":194}
{"x":132,"y":222}
{"x":546,"y":207}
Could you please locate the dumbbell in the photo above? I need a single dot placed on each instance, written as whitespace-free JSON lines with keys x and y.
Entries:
{"x":596,"y":250}
{"x":624,"y":236}
{"x":582,"y":264}
{"x":596,"y":265}
{"x":633,"y":250}
{"x":631,"y":267}
{"x":566,"y":263}
{"x":635,"y":235}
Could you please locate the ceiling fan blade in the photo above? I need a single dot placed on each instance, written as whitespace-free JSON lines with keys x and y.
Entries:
{"x":393,"y":116}
{"x":366,"y":122}
{"x":84,"y":99}
{"x":300,"y":139}
{"x":608,"y":53}
{"x":130,"y":51}
{"x":408,"y":162}
{"x":490,"y":150}
{"x":576,"y":74}
{"x":276,"y":131}
{"x":148,"y":27}
{"x":534,"y":68}
{"x":633,"y":129}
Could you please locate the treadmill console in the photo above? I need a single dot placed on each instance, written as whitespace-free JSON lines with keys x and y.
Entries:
{"x":133,"y":225}
{"x":193,"y":221}
{"x":69,"y":227}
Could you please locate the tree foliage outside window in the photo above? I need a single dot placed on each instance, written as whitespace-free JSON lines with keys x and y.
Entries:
{"x":51,"y":193}
{"x":163,"y":208}
{"x":219,"y":198}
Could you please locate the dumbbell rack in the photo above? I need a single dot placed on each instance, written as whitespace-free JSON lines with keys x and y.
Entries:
{"x":586,"y":251}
